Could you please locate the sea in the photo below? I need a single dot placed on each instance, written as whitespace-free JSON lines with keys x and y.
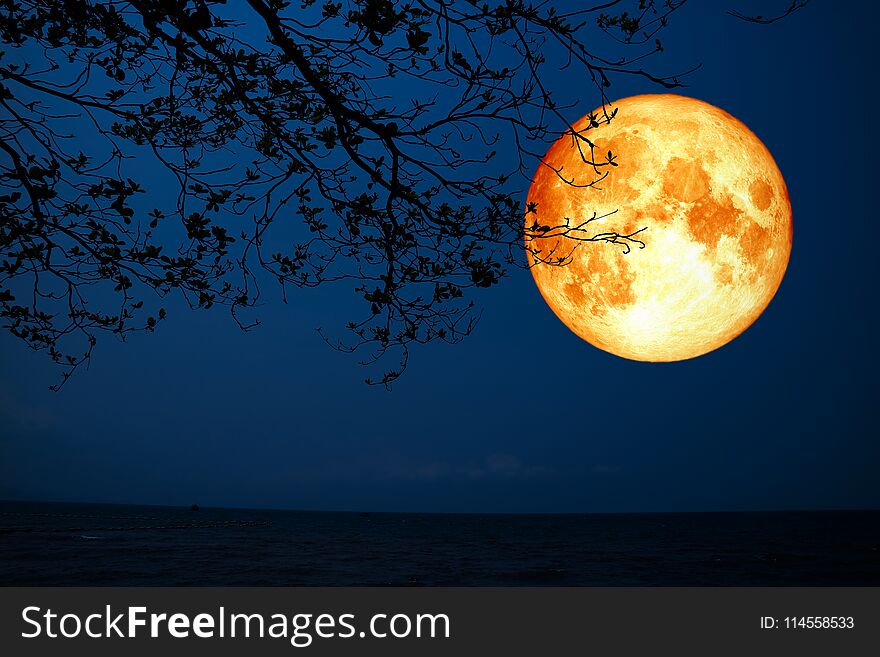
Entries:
{"x":54,"y":544}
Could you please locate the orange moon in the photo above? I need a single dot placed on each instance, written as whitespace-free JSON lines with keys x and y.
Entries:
{"x":717,"y":228}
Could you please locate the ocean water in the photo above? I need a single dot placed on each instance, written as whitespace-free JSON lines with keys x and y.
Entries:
{"x":86,"y":544}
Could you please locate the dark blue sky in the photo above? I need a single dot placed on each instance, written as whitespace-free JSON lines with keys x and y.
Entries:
{"x":780,"y":418}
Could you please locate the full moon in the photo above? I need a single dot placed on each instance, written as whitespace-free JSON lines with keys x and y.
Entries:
{"x":714,"y":219}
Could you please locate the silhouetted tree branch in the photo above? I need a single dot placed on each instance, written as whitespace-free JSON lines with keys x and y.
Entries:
{"x":383,"y":143}
{"x":764,"y":20}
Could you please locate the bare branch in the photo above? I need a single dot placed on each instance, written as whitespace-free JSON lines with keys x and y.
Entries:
{"x":763,"y":20}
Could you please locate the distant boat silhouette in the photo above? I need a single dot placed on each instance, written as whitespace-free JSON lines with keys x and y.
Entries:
{"x":365,"y":514}
{"x":194,"y":507}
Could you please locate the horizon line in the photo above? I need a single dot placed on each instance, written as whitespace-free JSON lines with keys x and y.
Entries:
{"x":399,"y":512}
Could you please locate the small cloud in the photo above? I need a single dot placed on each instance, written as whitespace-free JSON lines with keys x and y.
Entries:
{"x":493,"y":466}
{"x":431,"y":472}
{"x":604,"y":469}
{"x":417,"y":472}
{"x":503,"y":466}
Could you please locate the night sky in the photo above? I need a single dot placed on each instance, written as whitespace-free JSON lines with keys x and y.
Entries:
{"x":780,"y":418}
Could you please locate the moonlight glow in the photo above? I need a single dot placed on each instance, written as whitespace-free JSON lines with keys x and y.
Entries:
{"x":717,"y":239}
